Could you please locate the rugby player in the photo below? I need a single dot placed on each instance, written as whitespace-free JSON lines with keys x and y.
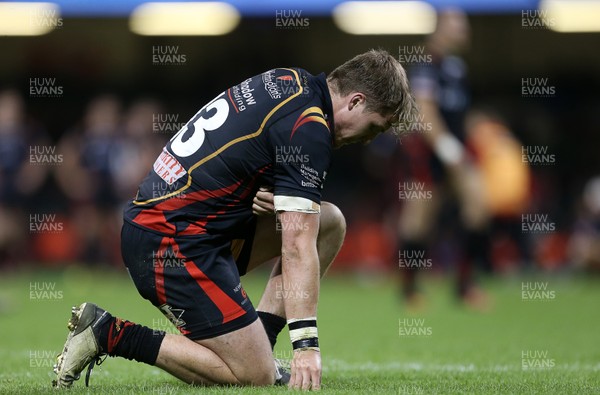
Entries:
{"x":204,"y":216}
{"x":440,"y":160}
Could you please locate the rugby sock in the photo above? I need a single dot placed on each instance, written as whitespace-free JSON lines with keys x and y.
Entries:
{"x":409,"y":274}
{"x":122,"y":338}
{"x":464,"y":277}
{"x":477,"y":246}
{"x":273,"y":325}
{"x":475,"y":255}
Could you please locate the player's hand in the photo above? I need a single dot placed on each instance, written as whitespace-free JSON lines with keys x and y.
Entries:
{"x":263,"y":202}
{"x":306,"y":370}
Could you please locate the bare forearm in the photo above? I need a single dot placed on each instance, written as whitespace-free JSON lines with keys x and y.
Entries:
{"x":446,"y":146}
{"x":300,"y":290}
{"x":300,"y":282}
{"x":464,"y":176}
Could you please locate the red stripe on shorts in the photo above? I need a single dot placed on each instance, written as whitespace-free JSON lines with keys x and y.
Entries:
{"x":159,"y":267}
{"x":228,"y":307}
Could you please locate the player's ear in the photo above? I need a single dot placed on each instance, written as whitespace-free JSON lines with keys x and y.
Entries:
{"x":356,"y":98}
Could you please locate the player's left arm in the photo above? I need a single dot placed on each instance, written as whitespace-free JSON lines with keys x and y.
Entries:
{"x":300,"y":277}
{"x":301,"y":146}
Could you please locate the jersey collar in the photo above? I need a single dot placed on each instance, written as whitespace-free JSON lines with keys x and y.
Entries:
{"x":321,"y":81}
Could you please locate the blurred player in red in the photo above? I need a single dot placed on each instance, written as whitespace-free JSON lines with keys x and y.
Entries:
{"x":204,"y":216}
{"x":437,"y":159}
{"x":506,"y":186}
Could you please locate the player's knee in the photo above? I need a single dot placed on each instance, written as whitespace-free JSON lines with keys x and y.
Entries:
{"x":265,"y":377}
{"x":258,"y":375}
{"x":333,"y":219}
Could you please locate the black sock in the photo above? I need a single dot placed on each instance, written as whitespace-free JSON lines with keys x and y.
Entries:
{"x":477,"y":248}
{"x":122,"y":338}
{"x":273,"y":325}
{"x":409,"y":274}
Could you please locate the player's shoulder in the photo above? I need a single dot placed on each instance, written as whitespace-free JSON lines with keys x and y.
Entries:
{"x":308,"y":104}
{"x":299,"y":89}
{"x":286,"y":98}
{"x":288,"y":83}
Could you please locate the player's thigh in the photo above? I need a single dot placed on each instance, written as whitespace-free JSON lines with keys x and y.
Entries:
{"x":266,"y":244}
{"x":247,"y":352}
{"x":194,"y":283}
{"x":418,"y":216}
{"x":331,"y":220}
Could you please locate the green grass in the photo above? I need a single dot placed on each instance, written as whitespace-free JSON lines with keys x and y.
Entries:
{"x":458,"y":351}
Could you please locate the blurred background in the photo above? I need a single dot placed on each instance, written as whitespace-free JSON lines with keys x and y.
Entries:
{"x":91,"y":91}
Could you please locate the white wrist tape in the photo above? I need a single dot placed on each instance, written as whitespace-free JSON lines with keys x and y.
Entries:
{"x":295,"y":203}
{"x":308,"y":332}
{"x":303,"y":333}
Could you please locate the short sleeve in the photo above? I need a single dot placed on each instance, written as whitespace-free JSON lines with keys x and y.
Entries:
{"x":301,"y":149}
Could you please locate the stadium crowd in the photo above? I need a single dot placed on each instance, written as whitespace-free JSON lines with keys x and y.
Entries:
{"x":61,"y":198}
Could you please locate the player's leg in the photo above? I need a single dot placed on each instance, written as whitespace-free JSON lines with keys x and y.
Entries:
{"x":415,"y":228}
{"x":467,"y":187}
{"x":241,"y":357}
{"x":197,"y":286}
{"x":266,"y":246}
{"x":201,"y":295}
{"x":332,"y":230}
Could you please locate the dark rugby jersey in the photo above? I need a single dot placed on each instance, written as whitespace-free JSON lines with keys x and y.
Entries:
{"x":273,"y":129}
{"x":445,"y":82}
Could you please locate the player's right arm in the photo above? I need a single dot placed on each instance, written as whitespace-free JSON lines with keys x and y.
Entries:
{"x":464,"y":176}
{"x":447,"y":147}
{"x":300,"y":283}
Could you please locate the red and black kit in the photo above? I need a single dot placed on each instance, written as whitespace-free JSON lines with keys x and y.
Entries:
{"x":178,"y":238}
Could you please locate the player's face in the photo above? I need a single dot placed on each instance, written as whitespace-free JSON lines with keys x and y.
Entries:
{"x":355,"y":124}
{"x":455,"y":29}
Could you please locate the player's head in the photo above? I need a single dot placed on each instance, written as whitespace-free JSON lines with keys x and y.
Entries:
{"x":452,"y":32}
{"x":370,"y":95}
{"x":11,"y":111}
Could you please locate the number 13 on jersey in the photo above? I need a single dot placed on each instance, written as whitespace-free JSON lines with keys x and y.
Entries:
{"x":191,"y":137}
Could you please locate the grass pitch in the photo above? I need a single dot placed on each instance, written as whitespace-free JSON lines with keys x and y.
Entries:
{"x":543,"y":341}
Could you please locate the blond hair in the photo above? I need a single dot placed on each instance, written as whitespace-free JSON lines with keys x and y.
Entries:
{"x":382,"y":79}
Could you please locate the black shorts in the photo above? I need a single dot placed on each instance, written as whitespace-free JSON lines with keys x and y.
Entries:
{"x":195,"y":283}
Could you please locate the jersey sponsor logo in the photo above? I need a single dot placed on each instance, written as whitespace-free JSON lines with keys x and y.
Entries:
{"x":311,"y":114}
{"x":241,"y":95}
{"x":168,"y":168}
{"x":311,"y":176}
{"x":283,"y":85}
{"x":289,"y":86}
{"x":271,"y":86}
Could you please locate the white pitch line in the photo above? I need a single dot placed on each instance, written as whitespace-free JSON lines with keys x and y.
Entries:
{"x":337,"y":365}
